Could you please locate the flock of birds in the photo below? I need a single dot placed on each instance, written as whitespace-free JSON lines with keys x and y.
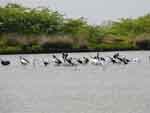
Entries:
{"x":66,"y":60}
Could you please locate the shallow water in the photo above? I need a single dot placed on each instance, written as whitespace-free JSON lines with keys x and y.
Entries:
{"x":82,"y":89}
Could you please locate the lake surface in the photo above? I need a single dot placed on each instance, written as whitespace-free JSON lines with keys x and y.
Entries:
{"x":82,"y":89}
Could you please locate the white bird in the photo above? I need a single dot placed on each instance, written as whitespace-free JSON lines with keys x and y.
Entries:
{"x":71,"y":61}
{"x":56,"y":60}
{"x":96,"y":61}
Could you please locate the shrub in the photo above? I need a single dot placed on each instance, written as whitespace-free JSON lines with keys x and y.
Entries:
{"x":143,"y":41}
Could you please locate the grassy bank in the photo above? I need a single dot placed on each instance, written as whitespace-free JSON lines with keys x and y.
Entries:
{"x":24,"y":30}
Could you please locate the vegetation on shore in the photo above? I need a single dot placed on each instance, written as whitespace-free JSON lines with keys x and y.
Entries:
{"x":24,"y":29}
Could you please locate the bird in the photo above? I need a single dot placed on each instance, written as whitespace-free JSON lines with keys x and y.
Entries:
{"x":102,"y":58}
{"x":46,"y":63}
{"x":86,"y":60}
{"x":96,"y":61}
{"x":69,"y":61}
{"x":64,"y":56}
{"x":113,"y":60}
{"x":56,"y":60}
{"x":121,"y":59}
{"x":5,"y":62}
{"x":116,"y":55}
{"x":79,"y":61}
{"x":24,"y":61}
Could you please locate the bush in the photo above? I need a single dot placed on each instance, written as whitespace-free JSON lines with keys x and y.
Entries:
{"x":44,"y":29}
{"x":143,"y":41}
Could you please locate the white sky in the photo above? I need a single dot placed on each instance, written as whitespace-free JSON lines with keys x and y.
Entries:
{"x":96,"y":11}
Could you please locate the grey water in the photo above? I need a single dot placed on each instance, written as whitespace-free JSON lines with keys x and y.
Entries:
{"x":81,"y":89}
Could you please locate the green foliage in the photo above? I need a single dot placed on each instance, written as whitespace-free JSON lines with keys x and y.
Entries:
{"x":131,"y":27}
{"x":15,"y":18}
{"x":43,"y":29}
{"x":74,"y":26}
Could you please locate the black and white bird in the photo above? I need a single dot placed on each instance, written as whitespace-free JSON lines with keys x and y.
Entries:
{"x":85,"y":60}
{"x":24,"y":61}
{"x":122,"y":59}
{"x":113,"y":60}
{"x":70,"y":61}
{"x":56,"y":60}
{"x":116,"y":55}
{"x":79,"y":61}
{"x":96,"y":61}
{"x":65,"y":56}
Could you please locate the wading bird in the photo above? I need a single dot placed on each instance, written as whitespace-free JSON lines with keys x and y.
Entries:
{"x":56,"y":60}
{"x":24,"y":61}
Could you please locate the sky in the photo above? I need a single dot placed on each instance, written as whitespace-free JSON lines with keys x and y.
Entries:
{"x":95,"y":11}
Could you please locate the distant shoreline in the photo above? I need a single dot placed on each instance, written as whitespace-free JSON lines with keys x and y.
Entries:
{"x":33,"y":31}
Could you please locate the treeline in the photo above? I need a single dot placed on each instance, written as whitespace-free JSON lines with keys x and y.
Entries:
{"x":42,"y":29}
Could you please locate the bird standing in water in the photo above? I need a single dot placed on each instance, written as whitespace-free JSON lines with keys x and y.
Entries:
{"x":24,"y":61}
{"x":56,"y":60}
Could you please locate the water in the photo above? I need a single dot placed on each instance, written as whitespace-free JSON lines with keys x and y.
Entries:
{"x":82,"y":89}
